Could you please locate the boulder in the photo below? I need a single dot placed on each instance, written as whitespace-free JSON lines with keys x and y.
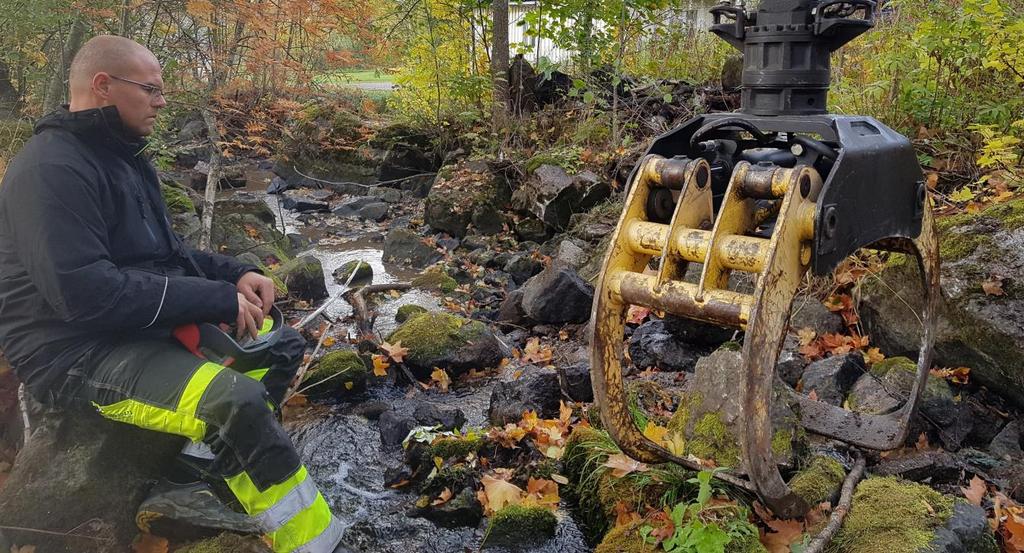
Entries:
{"x":575,"y":382}
{"x":536,"y":389}
{"x":306,"y":201}
{"x":278,"y":185}
{"x":351,"y":207}
{"x":447,"y":341}
{"x":433,"y":414}
{"x":435,"y":279}
{"x":571,"y":254}
{"x":396,"y":423}
{"x":363,"y":272}
{"x":1007,"y":444}
{"x":404,"y":246}
{"x":530,"y":229}
{"x":340,"y":373}
{"x":460,"y":511}
{"x":461,"y":191}
{"x":385,"y":194}
{"x":552,"y":195}
{"x":557,"y":295}
{"x":402,"y":160}
{"x":79,"y":481}
{"x":488,"y":220}
{"x":304,"y":277}
{"x":405,"y":312}
{"x":522,"y":266}
{"x":831,"y":378}
{"x":812,"y":314}
{"x":520,"y":527}
{"x":976,"y":329}
{"x":673,"y":343}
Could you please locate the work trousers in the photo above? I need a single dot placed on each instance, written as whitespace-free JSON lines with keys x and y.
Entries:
{"x":159,"y":385}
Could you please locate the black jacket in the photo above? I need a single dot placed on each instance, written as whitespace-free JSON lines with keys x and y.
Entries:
{"x":87,"y":252}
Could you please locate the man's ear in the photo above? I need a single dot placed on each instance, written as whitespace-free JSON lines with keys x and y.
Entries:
{"x":101,"y":85}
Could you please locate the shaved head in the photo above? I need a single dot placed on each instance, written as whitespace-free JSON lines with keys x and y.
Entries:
{"x":113,"y":70}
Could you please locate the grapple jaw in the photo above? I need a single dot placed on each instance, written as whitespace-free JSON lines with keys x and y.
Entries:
{"x":765,"y":221}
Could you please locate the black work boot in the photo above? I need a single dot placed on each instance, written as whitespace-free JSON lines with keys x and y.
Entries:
{"x":190,"y":511}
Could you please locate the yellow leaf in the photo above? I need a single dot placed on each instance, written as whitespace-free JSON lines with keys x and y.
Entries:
{"x":806,"y":336}
{"x":542,"y":492}
{"x":441,"y":378}
{"x":349,"y":385}
{"x":975,"y":491}
{"x":499,"y":493}
{"x":874,"y":355}
{"x":395,"y":351}
{"x":380,"y":365}
{"x":329,"y":341}
{"x":655,"y":433}
{"x":676,"y":443}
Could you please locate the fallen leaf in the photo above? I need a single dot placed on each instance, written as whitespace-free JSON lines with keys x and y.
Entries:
{"x":534,"y":353}
{"x":655,"y":433}
{"x":1013,"y":532}
{"x":542,"y":492}
{"x":380,"y":365}
{"x":148,"y":543}
{"x":395,"y":351}
{"x":922,"y":442}
{"x":441,"y":378}
{"x":564,"y":413}
{"x":499,"y":493}
{"x":813,"y":395}
{"x":636,"y":314}
{"x":560,"y":479}
{"x":622,"y":465}
{"x":624,"y":515}
{"x":443,"y":498}
{"x":785,"y":533}
{"x":873,"y":355}
{"x":806,"y":336}
{"x":975,"y":491}
{"x":329,"y":341}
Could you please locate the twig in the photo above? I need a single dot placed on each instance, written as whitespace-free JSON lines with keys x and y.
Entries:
{"x":23,"y":405}
{"x":818,"y":544}
{"x":292,"y":390}
{"x":319,"y":310}
{"x":357,"y":299}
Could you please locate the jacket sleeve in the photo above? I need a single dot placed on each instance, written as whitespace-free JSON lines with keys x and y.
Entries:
{"x":218,"y":266}
{"x":60,"y":236}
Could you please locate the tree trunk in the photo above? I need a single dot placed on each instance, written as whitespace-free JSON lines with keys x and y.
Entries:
{"x":499,"y":63}
{"x":56,"y":92}
{"x":125,"y":18}
{"x":212,"y":180}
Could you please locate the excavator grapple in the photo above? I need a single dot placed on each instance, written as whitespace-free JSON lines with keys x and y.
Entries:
{"x":779,"y":189}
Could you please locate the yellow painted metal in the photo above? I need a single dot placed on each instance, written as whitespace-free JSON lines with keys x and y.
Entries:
{"x":721,"y":307}
{"x":735,"y":217}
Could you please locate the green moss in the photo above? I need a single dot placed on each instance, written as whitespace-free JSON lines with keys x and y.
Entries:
{"x":892,"y":516}
{"x":349,"y":367}
{"x":567,"y":157}
{"x":435,"y":280}
{"x":1010,"y":214}
{"x":625,"y":539}
{"x":782,"y":444}
{"x":711,"y":439}
{"x":177,"y":199}
{"x":432,"y":336}
{"x":226,"y":543}
{"x":902,"y":363}
{"x":453,"y":477}
{"x":516,"y":525}
{"x":749,"y":543}
{"x":407,"y":311}
{"x":960,"y":245}
{"x":447,"y":448}
{"x":362,"y":269}
{"x":819,"y":481}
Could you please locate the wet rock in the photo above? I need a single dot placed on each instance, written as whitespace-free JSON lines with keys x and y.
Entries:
{"x":831,"y":378}
{"x":975,"y":330}
{"x":304,"y":202}
{"x":449,"y":244}
{"x":462,"y":510}
{"x":405,"y":246}
{"x":537,"y":389}
{"x":655,"y":344}
{"x":408,"y":311}
{"x":966,"y":530}
{"x":435,"y":280}
{"x":244,"y":203}
{"x":304,"y":277}
{"x":403,"y":160}
{"x":557,"y":295}
{"x":938,"y":467}
{"x":460,"y":191}
{"x":1008,"y":442}
{"x":394,"y":427}
{"x":449,"y":342}
{"x":375,"y":212}
{"x":552,"y":196}
{"x":791,"y":365}
{"x":523,"y":266}
{"x":351,"y":207}
{"x":518,"y":526}
{"x":277,"y":185}
{"x":419,"y":186}
{"x":342,"y":372}
{"x":445,"y":416}
{"x":575,"y":382}
{"x":488,"y":220}
{"x":54,"y":488}
{"x":363,"y":272}
{"x":531,"y":229}
{"x":511,"y":309}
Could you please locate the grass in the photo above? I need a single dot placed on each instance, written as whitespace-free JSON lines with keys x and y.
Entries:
{"x":352,"y":77}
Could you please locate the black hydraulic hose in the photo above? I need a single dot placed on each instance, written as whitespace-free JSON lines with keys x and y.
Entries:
{"x":743,"y":124}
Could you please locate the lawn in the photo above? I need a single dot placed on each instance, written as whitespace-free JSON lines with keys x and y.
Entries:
{"x":353,"y":76}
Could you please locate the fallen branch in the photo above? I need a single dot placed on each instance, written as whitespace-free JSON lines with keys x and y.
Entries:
{"x":348,"y":183}
{"x":360,"y":309}
{"x":23,"y":405}
{"x":835,"y":522}
{"x":292,"y":390}
{"x":326,"y":304}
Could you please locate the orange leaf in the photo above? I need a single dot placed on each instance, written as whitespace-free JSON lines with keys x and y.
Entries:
{"x":395,"y":351}
{"x":975,"y":491}
{"x":380,"y":365}
{"x":993,"y":286}
{"x":542,"y":492}
{"x":443,"y":498}
{"x":624,"y":515}
{"x":785,"y":533}
{"x":622,"y":465}
{"x":499,"y":493}
{"x":534,"y":353}
{"x":441,"y":378}
{"x":1013,"y":533}
{"x":148,"y":543}
{"x":637,"y":314}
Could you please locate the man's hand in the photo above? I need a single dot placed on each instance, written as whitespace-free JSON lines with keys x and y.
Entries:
{"x":259,"y":290}
{"x":250,"y":318}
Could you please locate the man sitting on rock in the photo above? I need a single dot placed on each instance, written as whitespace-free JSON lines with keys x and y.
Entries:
{"x":93,"y":279}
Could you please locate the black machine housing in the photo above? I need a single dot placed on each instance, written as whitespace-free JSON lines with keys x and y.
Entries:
{"x":873,"y":185}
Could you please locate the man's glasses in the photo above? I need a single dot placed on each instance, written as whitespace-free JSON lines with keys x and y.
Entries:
{"x":153,"y":91}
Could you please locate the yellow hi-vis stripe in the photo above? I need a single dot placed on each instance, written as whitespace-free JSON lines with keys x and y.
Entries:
{"x":296,"y":521}
{"x":181,"y":421}
{"x":268,"y":324}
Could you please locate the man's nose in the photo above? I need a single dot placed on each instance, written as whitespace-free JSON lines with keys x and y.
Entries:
{"x":159,"y":101}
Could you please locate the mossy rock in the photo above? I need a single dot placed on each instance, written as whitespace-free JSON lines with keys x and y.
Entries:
{"x":176,"y":199}
{"x":447,"y":448}
{"x":304,"y":278}
{"x":565,"y":157}
{"x":226,"y":543}
{"x":408,"y":311}
{"x":448,"y":342}
{"x":625,"y":539}
{"x":454,"y":477}
{"x":236,"y":233}
{"x":819,"y":481}
{"x":519,"y":526}
{"x":453,"y":200}
{"x":892,"y":516}
{"x":351,"y":371}
{"x":435,"y":280}
{"x":363,"y":272}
